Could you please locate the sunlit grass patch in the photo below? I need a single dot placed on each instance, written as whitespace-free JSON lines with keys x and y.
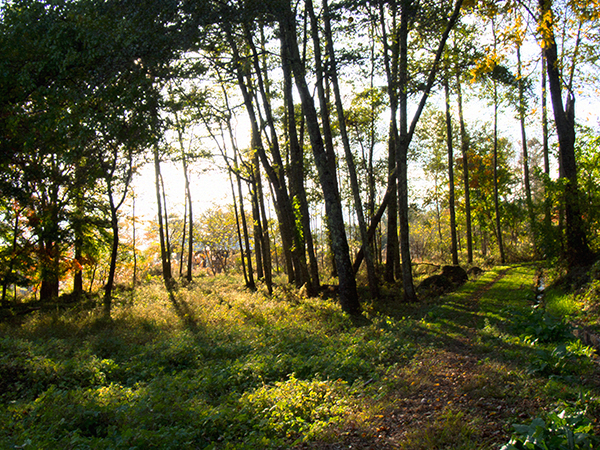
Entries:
{"x":561,"y":304}
{"x":449,"y":430}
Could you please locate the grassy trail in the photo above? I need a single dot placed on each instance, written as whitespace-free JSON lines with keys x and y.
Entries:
{"x":470,"y":380}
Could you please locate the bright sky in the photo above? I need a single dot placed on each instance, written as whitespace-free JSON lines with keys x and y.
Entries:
{"x":209,"y":188}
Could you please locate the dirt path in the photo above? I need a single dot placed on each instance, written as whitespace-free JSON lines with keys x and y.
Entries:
{"x":445,"y":394}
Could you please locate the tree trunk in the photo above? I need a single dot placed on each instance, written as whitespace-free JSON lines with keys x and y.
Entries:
{"x":526,"y":177}
{"x":372,"y":276}
{"x":250,"y":282}
{"x":335,"y":218}
{"x":464,"y":148}
{"x":50,"y":252}
{"x":402,"y":144}
{"x":296,"y":176}
{"x":392,"y":262}
{"x":292,"y":228}
{"x":114,"y":225}
{"x":577,"y":251}
{"x":190,"y":211}
{"x":548,"y":229}
{"x":134,"y":243}
{"x":451,"y":197}
{"x":238,"y":228}
{"x":166,"y":223}
{"x":183,"y":233}
{"x":496,"y":194}
{"x":166,"y":266}
{"x":274,"y":172}
{"x":265,"y":240}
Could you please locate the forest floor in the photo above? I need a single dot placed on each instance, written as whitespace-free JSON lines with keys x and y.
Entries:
{"x":462,"y":394}
{"x":212,"y":366}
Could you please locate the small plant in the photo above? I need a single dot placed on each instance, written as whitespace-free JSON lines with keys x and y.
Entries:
{"x":543,"y":327}
{"x":560,"y":431}
{"x":564,"y":359}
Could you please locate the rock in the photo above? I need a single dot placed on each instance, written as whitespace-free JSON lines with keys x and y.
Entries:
{"x":435,"y":285}
{"x":455,"y":274}
{"x":450,"y":278}
{"x":475,"y":271}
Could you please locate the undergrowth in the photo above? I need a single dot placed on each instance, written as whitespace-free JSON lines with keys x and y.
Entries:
{"x":212,"y":366}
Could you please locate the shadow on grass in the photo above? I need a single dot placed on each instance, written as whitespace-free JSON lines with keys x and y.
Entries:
{"x":183,"y":310}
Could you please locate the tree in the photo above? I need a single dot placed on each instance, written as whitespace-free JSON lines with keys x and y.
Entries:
{"x":577,"y":251}
{"x":347,"y":282}
{"x":218,"y":237}
{"x":405,"y":133}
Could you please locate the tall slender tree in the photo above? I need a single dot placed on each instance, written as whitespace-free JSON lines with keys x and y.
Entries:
{"x":577,"y":250}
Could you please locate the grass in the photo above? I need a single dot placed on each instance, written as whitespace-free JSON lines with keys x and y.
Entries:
{"x":213,"y":366}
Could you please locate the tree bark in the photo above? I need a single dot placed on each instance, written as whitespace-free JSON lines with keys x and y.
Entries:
{"x":402,"y":144}
{"x":335,"y":219}
{"x":392,"y":262}
{"x":366,"y":244}
{"x":464,"y":148}
{"x":526,"y":176}
{"x":296,"y":176}
{"x":114,"y":224}
{"x":496,"y":193}
{"x":276,"y":174}
{"x":451,"y":196}
{"x":577,"y":251}
{"x":166,"y":265}
{"x":548,"y":234}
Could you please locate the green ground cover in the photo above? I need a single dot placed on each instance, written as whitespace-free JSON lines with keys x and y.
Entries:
{"x":213,"y":366}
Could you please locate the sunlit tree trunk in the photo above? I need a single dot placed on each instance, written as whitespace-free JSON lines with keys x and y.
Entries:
{"x":526,"y":176}
{"x":495,"y":168}
{"x":548,"y":234}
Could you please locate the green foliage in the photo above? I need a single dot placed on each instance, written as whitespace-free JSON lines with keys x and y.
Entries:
{"x":564,"y":430}
{"x":297,"y":407}
{"x":541,"y":326}
{"x":217,"y":368}
{"x":564,"y":359}
{"x":212,"y":366}
{"x":588,"y":159}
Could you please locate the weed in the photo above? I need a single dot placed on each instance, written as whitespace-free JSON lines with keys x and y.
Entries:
{"x":565,"y":429}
